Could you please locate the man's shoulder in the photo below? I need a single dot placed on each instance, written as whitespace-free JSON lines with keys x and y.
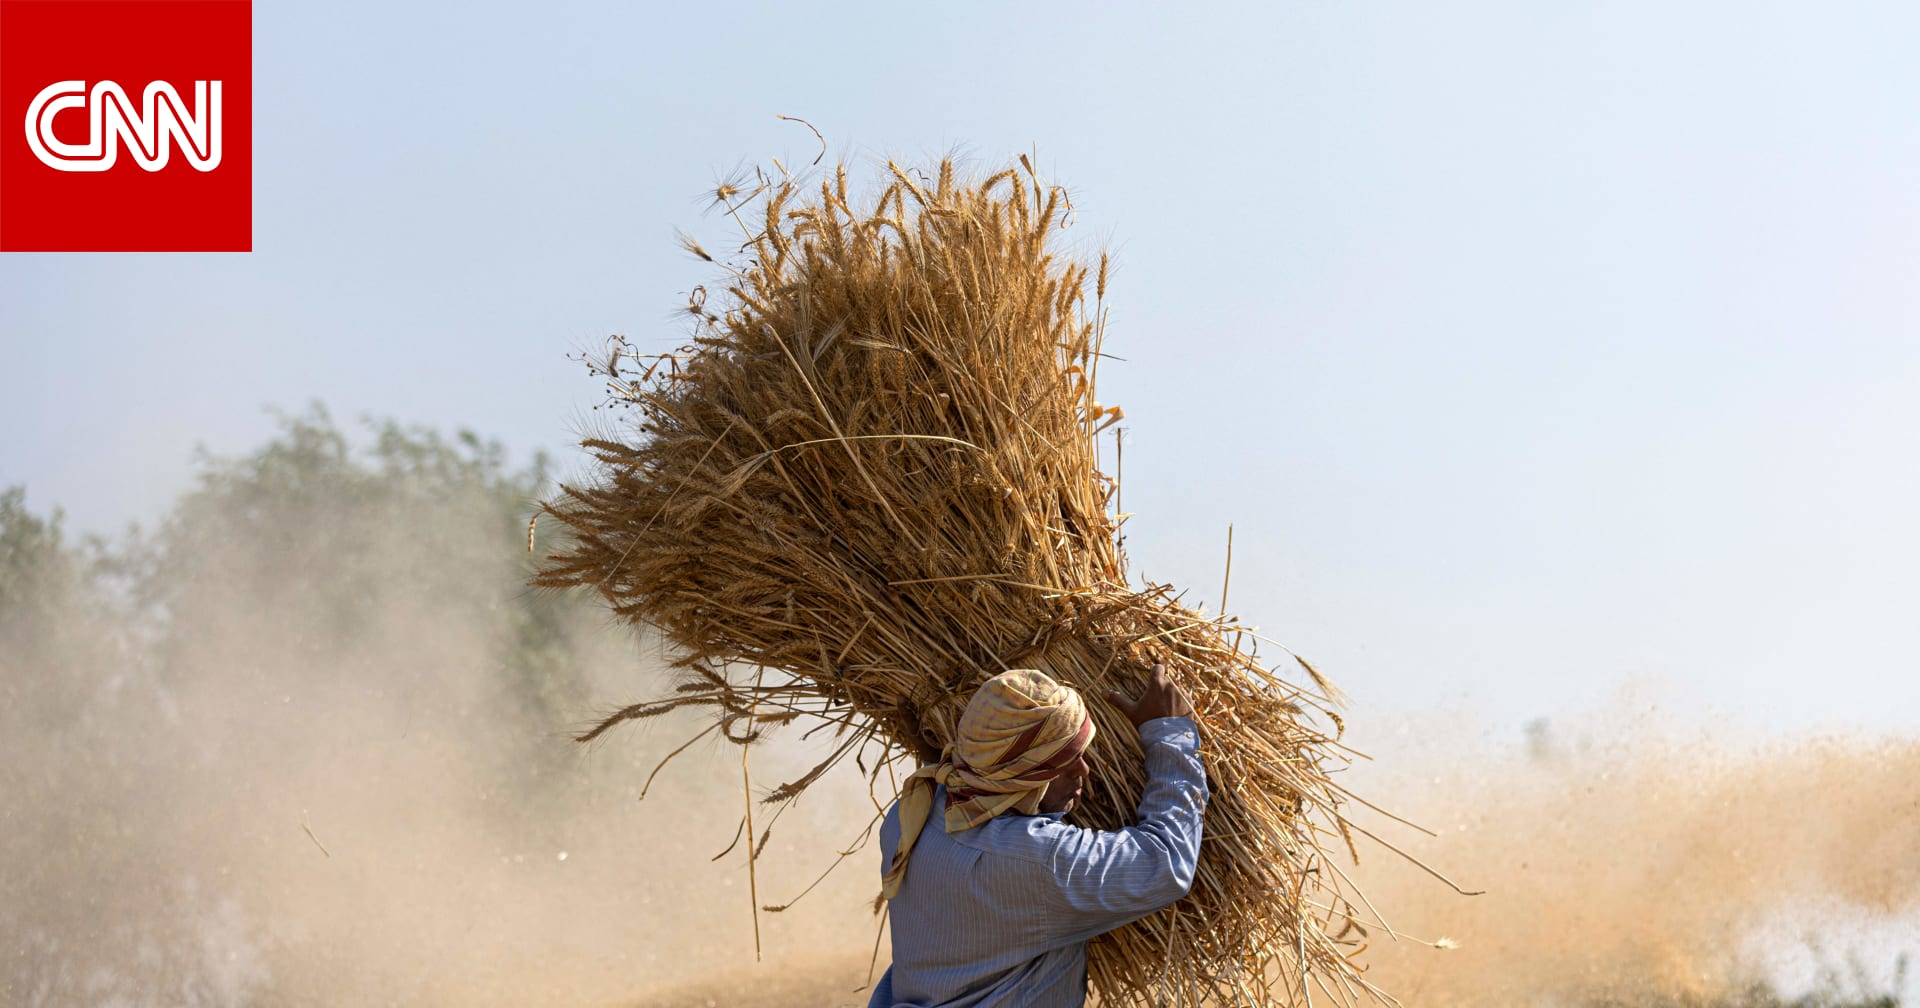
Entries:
{"x":1032,"y":839}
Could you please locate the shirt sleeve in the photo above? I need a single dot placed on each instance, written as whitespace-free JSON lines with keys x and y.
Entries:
{"x":1106,"y":878}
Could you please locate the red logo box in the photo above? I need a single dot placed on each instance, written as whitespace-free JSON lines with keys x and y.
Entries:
{"x":126,"y":125}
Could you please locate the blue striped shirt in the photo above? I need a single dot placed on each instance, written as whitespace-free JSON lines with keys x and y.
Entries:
{"x":999,"y":915}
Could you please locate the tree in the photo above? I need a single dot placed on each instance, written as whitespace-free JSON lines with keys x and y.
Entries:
{"x":163,"y":692}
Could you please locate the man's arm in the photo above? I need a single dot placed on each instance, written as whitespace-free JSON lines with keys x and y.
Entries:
{"x":1107,"y":878}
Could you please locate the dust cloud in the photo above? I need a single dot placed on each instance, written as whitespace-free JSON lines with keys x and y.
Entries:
{"x":1652,"y":868}
{"x":307,"y":744}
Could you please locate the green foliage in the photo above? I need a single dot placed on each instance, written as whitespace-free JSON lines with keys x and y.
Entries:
{"x":30,"y":551}
{"x":133,"y":671}
{"x":311,"y":542}
{"x":57,"y":614}
{"x":307,"y":526}
{"x":39,"y":573}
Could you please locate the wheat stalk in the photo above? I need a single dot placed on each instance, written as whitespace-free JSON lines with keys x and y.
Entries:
{"x":870,"y":481}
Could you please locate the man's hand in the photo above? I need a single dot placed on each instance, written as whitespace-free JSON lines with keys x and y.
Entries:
{"x":1161,"y":699}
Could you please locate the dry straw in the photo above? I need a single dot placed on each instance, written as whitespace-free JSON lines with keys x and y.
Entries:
{"x":872,"y":480}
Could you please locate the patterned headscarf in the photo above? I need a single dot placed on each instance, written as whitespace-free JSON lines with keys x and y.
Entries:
{"x":1019,"y":732}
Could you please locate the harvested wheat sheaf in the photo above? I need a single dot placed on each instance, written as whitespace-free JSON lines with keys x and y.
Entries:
{"x":871,"y":481}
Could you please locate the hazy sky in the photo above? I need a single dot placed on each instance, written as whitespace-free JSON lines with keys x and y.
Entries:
{"x":1537,"y":351}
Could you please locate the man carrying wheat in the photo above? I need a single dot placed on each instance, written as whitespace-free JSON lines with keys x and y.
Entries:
{"x":885,"y":436}
{"x":996,"y":907}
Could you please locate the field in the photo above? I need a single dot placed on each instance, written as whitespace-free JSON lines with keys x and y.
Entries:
{"x":294,"y":746}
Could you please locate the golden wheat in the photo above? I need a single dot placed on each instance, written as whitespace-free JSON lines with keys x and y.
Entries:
{"x":872,"y":480}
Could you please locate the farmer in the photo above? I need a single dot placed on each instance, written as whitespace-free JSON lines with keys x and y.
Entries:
{"x":993,"y":894}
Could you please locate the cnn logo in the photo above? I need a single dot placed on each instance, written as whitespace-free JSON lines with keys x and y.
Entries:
{"x":128,"y":126}
{"x":148,"y":130}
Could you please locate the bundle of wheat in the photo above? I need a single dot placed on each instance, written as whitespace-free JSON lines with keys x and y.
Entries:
{"x":872,"y":480}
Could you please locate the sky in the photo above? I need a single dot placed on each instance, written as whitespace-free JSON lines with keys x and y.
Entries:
{"x":1545,"y":358}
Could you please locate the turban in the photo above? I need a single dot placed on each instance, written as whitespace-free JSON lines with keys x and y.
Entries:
{"x":1020,"y":731}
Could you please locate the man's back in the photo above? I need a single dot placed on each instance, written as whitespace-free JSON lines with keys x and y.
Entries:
{"x":1000,"y":914}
